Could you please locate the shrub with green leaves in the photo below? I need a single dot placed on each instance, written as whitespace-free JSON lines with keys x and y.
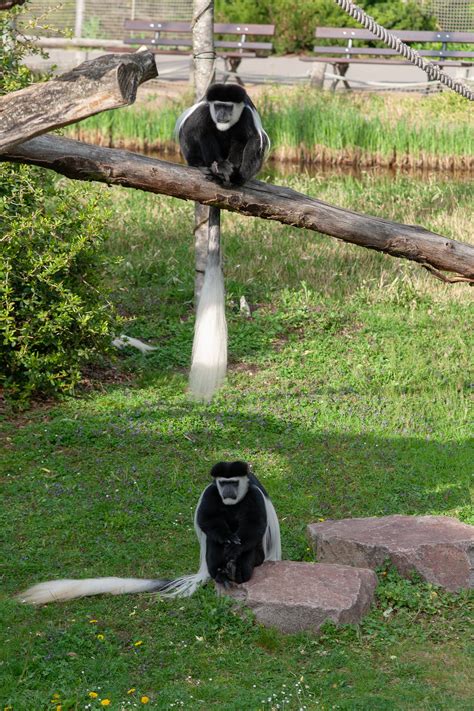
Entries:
{"x":296,"y":20}
{"x":54,"y":314}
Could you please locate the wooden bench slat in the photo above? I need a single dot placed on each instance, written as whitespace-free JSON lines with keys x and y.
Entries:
{"x":390,"y":62}
{"x":219,"y":28}
{"x":166,"y":41}
{"x":157,"y":25}
{"x":354,"y":51}
{"x":187,"y":42}
{"x":244,"y":28}
{"x":245,"y":45}
{"x":345,"y":33}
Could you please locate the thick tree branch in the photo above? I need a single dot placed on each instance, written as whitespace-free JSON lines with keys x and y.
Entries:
{"x":8,"y":4}
{"x":117,"y":167}
{"x":104,"y":83}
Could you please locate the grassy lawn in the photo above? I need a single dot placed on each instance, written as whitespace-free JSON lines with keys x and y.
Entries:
{"x":348,"y":390}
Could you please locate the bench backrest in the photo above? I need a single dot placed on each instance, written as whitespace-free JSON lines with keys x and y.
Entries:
{"x":349,"y":34}
{"x":179,"y":35}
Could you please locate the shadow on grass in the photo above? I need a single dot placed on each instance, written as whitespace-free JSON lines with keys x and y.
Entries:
{"x":109,"y":487}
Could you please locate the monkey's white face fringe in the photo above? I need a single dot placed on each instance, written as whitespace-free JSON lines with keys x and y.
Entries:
{"x":243,"y":484}
{"x":235,"y":116}
{"x":209,"y":362}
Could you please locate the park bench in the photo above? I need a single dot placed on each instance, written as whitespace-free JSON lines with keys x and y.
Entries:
{"x":349,"y":54}
{"x":164,"y":37}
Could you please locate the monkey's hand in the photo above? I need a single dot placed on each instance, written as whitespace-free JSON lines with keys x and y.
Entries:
{"x":222,"y":171}
{"x":208,"y":173}
{"x":222,"y":578}
{"x":232,"y":547}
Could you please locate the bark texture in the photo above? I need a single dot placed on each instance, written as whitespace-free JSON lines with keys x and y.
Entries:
{"x":107,"y":82}
{"x":255,"y":199}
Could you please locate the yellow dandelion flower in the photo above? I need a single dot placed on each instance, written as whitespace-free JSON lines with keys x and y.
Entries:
{"x":137,"y":644}
{"x":105,"y":702}
{"x":144,"y":699}
{"x":93,"y":694}
{"x":132,"y":690}
{"x":92,"y":622}
{"x":100,"y":636}
{"x":59,"y":707}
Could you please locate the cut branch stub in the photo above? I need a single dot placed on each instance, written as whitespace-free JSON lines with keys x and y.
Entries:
{"x":270,"y":202}
{"x":107,"y":82}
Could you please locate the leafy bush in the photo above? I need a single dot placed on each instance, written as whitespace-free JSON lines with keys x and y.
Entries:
{"x":296,"y":20}
{"x":53,"y":310}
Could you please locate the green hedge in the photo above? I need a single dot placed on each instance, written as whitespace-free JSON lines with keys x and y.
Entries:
{"x":54,"y":314}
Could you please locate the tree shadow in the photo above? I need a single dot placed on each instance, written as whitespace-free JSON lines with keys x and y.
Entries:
{"x":116,"y":481}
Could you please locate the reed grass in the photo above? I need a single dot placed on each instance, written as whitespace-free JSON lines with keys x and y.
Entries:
{"x":319,"y":127}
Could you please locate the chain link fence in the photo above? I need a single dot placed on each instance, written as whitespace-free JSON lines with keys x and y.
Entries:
{"x":104,"y":20}
{"x":453,"y":15}
{"x":101,"y":20}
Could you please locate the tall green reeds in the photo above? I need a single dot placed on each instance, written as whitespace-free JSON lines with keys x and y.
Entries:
{"x":320,"y":127}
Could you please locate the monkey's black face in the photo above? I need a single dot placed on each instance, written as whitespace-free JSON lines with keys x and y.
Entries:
{"x":225,"y":113}
{"x":232,"y":490}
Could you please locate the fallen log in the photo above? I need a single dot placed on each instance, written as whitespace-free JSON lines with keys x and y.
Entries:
{"x":82,"y":161}
{"x":8,"y":4}
{"x":108,"y":82}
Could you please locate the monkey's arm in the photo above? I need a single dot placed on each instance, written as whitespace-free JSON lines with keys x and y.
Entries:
{"x":247,"y":161}
{"x":253,"y":520}
{"x":212,"y":521}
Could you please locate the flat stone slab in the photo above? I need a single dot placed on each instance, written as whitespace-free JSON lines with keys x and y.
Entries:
{"x":439,"y":548}
{"x":294,"y":596}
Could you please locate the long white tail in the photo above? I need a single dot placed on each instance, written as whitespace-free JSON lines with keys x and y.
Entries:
{"x":209,"y":361}
{"x":60,"y":590}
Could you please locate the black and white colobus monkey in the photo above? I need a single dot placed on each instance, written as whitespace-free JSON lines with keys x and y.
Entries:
{"x":237,"y":528}
{"x":222,"y":135}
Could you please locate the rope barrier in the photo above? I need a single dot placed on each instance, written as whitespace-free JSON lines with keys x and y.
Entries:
{"x":432,"y":70}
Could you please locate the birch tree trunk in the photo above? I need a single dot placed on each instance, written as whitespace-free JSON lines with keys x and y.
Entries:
{"x":203,"y":74}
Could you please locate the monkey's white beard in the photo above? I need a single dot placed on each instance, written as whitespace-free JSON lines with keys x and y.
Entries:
{"x":243,"y":487}
{"x":209,"y":362}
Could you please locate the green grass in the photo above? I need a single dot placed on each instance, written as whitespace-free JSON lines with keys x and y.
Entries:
{"x":348,"y":391}
{"x":304,"y":124}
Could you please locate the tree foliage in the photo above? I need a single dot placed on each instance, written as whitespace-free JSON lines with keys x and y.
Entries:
{"x":296,"y":20}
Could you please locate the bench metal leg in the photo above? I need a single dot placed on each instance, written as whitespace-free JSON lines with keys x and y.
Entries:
{"x":232,"y":64}
{"x":341,"y":70}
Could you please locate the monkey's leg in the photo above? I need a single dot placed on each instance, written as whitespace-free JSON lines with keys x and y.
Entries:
{"x":244,"y":566}
{"x":216,"y":562}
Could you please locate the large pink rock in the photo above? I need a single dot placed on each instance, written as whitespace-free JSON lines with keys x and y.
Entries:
{"x":440,"y":548}
{"x":302,"y":596}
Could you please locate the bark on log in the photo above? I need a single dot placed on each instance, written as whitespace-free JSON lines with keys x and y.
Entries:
{"x":97,"y":85}
{"x":11,"y":3}
{"x":117,"y":167}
